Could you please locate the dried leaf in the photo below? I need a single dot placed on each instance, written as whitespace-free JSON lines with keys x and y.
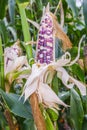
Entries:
{"x":60,"y":34}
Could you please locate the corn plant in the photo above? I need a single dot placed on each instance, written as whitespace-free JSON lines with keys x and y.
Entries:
{"x":43,"y":65}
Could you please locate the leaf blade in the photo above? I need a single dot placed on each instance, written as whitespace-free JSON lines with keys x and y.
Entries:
{"x":15,"y":106}
{"x":85,"y":11}
{"x":76,"y":110}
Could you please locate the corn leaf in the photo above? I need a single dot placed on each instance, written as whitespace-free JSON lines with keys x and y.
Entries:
{"x":78,"y":72}
{"x":55,"y":84}
{"x":1,"y":65}
{"x":3,"y":32}
{"x":72,"y":5}
{"x":84,"y":127}
{"x":76,"y":110}
{"x":85,"y":11}
{"x":25,"y":28}
{"x":28,"y":125}
{"x":11,"y":8}
{"x":3,"y":4}
{"x":15,"y":106}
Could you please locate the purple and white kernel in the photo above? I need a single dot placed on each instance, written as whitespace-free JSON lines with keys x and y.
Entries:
{"x":45,"y":43}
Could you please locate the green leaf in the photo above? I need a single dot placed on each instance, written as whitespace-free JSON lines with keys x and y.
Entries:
{"x":72,"y":5}
{"x":3,"y":4}
{"x":3,"y":32}
{"x":53,"y":113}
{"x":25,"y":26}
{"x":84,"y":127}
{"x":74,"y":51}
{"x":11,"y":5}
{"x":28,"y":125}
{"x":63,"y":95}
{"x":39,"y":4}
{"x":84,"y":102}
{"x":58,"y":48}
{"x":55,"y":84}
{"x":85,"y":10}
{"x":76,"y":70}
{"x":1,"y":65}
{"x":3,"y":121}
{"x":76,"y":110}
{"x":22,"y":1}
{"x":26,"y":32}
{"x":17,"y":107}
{"x":49,"y":124}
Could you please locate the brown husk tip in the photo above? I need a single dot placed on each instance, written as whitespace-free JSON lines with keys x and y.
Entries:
{"x":60,"y":34}
{"x":38,"y":118}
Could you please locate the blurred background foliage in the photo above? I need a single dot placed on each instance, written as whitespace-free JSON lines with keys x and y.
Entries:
{"x":75,"y":26}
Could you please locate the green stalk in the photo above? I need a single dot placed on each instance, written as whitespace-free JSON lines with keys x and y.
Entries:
{"x":25,"y":28}
{"x":1,"y":66}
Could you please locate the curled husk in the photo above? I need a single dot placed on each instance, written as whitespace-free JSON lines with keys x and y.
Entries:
{"x":37,"y":82}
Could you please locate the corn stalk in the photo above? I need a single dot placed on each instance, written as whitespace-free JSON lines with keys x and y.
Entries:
{"x":38,"y":118}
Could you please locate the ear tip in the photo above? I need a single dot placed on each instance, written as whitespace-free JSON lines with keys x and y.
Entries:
{"x":48,"y":4}
{"x":48,"y":7}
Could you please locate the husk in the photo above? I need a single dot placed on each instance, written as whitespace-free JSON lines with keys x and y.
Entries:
{"x":59,"y":33}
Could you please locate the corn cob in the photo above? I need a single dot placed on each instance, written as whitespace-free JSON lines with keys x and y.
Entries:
{"x":45,"y":42}
{"x":49,"y":29}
